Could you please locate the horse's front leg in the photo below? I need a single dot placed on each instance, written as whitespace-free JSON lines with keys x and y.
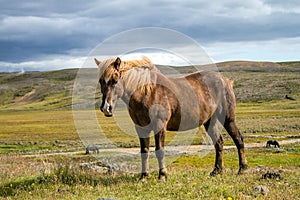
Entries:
{"x":160,"y":153}
{"x":144,"y":137}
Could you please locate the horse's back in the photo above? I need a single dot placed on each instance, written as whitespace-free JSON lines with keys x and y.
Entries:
{"x":212,"y":83}
{"x":217,"y":90}
{"x":200,"y":95}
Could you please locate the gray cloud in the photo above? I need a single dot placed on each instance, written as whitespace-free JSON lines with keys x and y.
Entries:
{"x":32,"y":30}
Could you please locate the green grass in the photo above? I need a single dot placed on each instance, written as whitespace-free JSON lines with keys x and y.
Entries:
{"x":60,"y":177}
{"x":37,"y":130}
{"x":56,"y":128}
{"x":188,"y":179}
{"x":25,"y":148}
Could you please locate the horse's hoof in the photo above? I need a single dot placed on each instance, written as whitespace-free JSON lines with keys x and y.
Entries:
{"x":162,"y":178}
{"x":143,"y":177}
{"x":242,"y":169}
{"x":216,"y":171}
{"x":162,"y":175}
{"x":143,"y":180}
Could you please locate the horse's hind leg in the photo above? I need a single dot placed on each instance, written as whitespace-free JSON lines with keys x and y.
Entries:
{"x":213,"y":131}
{"x":237,"y":137}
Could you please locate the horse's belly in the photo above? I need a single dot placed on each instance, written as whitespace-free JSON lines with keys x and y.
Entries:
{"x":183,"y":123}
{"x":180,"y":127}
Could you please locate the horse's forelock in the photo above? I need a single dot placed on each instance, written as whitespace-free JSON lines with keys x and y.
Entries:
{"x":106,"y":68}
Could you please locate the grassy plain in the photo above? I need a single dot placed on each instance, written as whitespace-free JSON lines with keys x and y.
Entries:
{"x":25,"y":130}
{"x":60,"y":176}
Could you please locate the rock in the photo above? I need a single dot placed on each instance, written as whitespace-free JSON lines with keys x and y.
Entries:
{"x":106,"y":199}
{"x":99,"y":167}
{"x":271,"y":175}
{"x":261,"y":189}
{"x":62,"y":191}
{"x":113,"y":167}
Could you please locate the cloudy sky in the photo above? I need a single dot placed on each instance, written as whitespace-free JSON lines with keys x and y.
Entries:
{"x":56,"y":34}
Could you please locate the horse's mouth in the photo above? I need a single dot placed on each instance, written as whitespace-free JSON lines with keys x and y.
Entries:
{"x":108,"y":114}
{"x":107,"y":111}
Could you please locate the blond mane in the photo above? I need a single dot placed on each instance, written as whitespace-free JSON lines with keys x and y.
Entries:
{"x":134,"y":73}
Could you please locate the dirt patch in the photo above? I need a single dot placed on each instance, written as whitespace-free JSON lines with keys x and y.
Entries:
{"x":27,"y":96}
{"x":175,"y":149}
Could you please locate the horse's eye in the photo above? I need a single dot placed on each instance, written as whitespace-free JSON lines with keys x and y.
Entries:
{"x":113,"y":81}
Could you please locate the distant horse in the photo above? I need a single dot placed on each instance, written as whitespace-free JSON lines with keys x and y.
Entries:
{"x":158,"y":103}
{"x":272,"y":142}
{"x":289,"y":98}
{"x":91,"y":148}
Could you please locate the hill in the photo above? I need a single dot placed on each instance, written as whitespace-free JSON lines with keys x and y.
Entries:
{"x":254,"y":81}
{"x":37,"y":90}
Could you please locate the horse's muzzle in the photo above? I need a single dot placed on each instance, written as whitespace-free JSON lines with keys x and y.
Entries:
{"x":107,"y":110}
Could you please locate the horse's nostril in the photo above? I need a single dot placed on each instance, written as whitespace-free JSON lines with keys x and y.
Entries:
{"x":110,"y":108}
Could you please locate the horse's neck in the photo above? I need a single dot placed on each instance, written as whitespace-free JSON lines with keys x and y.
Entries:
{"x":126,"y":97}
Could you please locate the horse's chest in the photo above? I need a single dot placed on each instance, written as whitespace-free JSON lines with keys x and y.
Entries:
{"x":139,"y":114}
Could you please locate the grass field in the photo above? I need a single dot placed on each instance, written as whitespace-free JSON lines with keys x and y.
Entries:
{"x":38,"y":130}
{"x":60,"y":176}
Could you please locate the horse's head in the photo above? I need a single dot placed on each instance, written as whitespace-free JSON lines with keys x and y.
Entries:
{"x":109,"y":79}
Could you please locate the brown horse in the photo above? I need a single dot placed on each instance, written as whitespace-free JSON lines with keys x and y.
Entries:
{"x":158,"y":103}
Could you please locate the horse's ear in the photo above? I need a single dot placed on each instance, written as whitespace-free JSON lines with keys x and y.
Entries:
{"x":117,"y":63}
{"x":97,"y":61}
